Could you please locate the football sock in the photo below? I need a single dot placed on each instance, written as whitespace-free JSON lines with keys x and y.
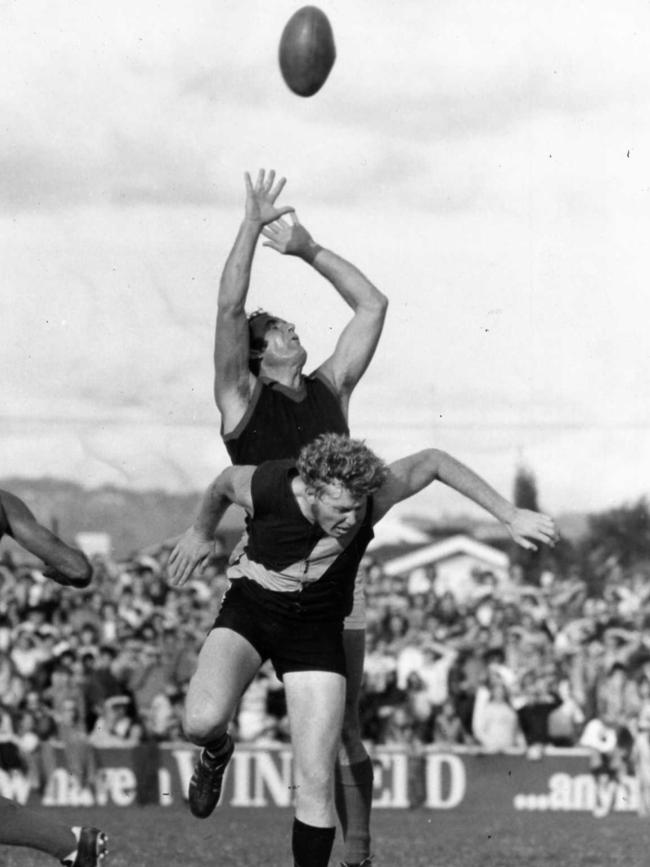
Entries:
{"x":20,"y":826}
{"x":214,"y":751}
{"x":311,"y":846}
{"x":353,"y":796}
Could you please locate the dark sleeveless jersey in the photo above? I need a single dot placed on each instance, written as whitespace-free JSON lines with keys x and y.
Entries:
{"x":285,"y":551}
{"x":279,"y":421}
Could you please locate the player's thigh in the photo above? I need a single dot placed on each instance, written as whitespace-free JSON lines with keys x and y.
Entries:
{"x":315,"y":705}
{"x":227,"y":663}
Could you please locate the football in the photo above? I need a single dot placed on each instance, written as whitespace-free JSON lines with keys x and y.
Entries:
{"x":307,"y":52}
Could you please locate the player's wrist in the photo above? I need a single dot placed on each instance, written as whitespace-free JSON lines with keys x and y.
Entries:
{"x":200,"y":535}
{"x":309,"y":252}
{"x":253,"y":224}
{"x":509,"y":514}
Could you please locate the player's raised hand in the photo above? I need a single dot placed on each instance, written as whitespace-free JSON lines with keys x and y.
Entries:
{"x":260,"y":199}
{"x":527,"y":525}
{"x":290,"y":238}
{"x":191,"y":551}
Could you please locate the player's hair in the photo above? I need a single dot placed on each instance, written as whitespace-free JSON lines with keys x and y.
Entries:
{"x":258,"y":323}
{"x":332,"y":458}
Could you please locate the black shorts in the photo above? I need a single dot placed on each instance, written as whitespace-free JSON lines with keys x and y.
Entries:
{"x":290,"y":643}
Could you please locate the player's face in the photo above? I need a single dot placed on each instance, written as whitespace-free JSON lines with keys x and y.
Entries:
{"x":282,"y":342}
{"x":336,"y":511}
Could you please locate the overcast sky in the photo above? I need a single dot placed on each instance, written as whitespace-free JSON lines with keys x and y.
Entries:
{"x":486,"y":164}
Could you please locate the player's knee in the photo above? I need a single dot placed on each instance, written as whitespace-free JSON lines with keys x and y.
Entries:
{"x":316,"y":782}
{"x":202,"y":721}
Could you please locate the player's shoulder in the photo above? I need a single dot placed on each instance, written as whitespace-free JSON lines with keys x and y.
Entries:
{"x":271,"y":480}
{"x":275,"y":469}
{"x":322,"y":381}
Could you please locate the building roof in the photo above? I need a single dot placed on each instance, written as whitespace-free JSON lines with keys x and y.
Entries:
{"x":451,"y":547}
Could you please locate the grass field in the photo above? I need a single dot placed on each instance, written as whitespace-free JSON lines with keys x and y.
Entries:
{"x":240,"y":837}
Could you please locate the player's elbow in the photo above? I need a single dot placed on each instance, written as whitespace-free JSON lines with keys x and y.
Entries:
{"x":381,"y":301}
{"x":79,"y":571}
{"x":378,"y":304}
{"x":435,"y":459}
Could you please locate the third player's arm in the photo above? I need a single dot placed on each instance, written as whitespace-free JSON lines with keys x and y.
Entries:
{"x":412,"y":474}
{"x":196,"y":545}
{"x":65,"y":565}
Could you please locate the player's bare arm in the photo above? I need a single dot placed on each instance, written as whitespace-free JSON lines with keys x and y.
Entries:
{"x":232,"y":378}
{"x":196,"y":545}
{"x":412,"y":474}
{"x":358,"y":340}
{"x":65,"y":565}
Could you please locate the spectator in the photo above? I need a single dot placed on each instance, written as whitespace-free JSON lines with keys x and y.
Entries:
{"x":448,"y":729}
{"x":419,"y":707}
{"x":98,"y":682}
{"x":148,"y":681}
{"x":437,"y":661}
{"x":79,"y":757}
{"x":599,"y":737}
{"x":534,"y":712}
{"x":117,"y":725}
{"x":495,"y":724}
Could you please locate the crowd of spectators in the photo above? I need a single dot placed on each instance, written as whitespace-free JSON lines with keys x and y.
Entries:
{"x":511,"y":667}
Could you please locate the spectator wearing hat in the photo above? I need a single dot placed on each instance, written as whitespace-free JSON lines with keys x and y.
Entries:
{"x":117,"y":725}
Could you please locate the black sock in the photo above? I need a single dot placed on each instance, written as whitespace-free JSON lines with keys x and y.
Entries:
{"x":311,"y":846}
{"x":214,"y":751}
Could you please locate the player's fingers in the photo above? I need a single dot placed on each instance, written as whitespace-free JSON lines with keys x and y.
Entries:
{"x":272,"y":246}
{"x":269,"y":231}
{"x":294,"y":218}
{"x":269,"y":181}
{"x":260,"y":179}
{"x":278,"y":188}
{"x":248,"y":182}
{"x":525,"y":543}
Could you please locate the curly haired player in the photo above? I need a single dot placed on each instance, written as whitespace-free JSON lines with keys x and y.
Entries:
{"x":291,"y":588}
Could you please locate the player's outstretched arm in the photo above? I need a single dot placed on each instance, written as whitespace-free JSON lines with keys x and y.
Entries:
{"x":358,"y":340}
{"x":196,"y":544}
{"x":231,"y":375}
{"x":65,"y":565}
{"x":414,"y":473}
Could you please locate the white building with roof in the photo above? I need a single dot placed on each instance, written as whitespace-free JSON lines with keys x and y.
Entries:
{"x":454,"y":561}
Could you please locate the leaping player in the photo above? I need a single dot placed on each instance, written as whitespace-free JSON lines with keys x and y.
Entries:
{"x":270,"y":410}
